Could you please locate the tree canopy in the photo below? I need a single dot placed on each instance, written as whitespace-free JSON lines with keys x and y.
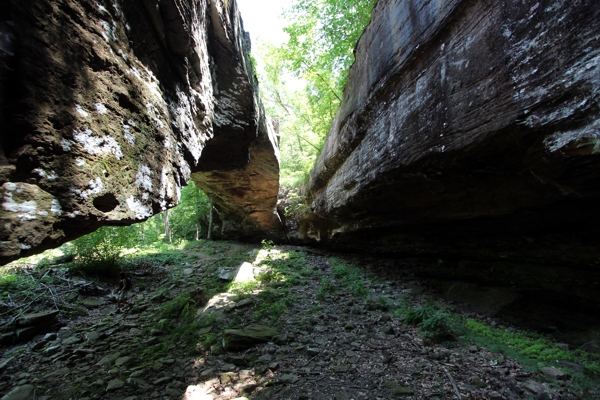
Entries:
{"x":319,"y":51}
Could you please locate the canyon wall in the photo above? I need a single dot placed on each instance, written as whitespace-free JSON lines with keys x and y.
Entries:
{"x":468,"y":129}
{"x":107,"y":108}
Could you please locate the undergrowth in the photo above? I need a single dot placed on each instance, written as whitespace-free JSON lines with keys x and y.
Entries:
{"x":433,"y":323}
{"x":272,"y":303}
{"x":349,"y":276}
{"x":530,"y":346}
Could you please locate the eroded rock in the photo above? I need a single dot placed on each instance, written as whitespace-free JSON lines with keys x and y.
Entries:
{"x":108,"y":108}
{"x":467,"y":129}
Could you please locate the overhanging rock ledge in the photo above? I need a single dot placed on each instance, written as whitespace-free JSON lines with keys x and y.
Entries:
{"x":107,"y":108}
{"x":468,"y":129}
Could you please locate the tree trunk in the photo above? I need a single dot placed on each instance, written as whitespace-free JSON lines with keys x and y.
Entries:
{"x":157,"y":224}
{"x":210,"y":221}
{"x":143,"y":233}
{"x":167,"y":228}
{"x":198,"y":231}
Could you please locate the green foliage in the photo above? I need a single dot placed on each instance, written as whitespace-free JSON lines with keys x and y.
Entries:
{"x":180,"y":307}
{"x":267,"y":245}
{"x":293,"y":261}
{"x":327,"y":287}
{"x":181,"y":336}
{"x":160,"y":254}
{"x":272,"y":304}
{"x":349,"y":276}
{"x":9,"y":281}
{"x":270,"y":276}
{"x":380,"y":303}
{"x":209,"y":247}
{"x":322,"y":35}
{"x":433,"y":323}
{"x":214,"y":285}
{"x":243,"y":288}
{"x":301,"y":132}
{"x":99,"y":252}
{"x":436,"y":327}
{"x":189,"y":214}
{"x":296,"y":204}
{"x":531,"y":346}
{"x":206,"y":340}
{"x":415,"y":316}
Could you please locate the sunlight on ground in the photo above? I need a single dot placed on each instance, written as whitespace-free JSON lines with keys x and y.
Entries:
{"x":36,"y":258}
{"x":244,"y":282}
{"x":255,"y":271}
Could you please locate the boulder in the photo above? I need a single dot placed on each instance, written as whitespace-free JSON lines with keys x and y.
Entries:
{"x":23,"y":392}
{"x":39,"y":318}
{"x":554,"y":373}
{"x":115,"y":384}
{"x":27,"y":326}
{"x":242,"y":339}
{"x":91,"y":303}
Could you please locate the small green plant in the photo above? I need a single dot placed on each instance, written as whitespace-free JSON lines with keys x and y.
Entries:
{"x":379,"y":303}
{"x":208,"y":320}
{"x":267,"y":244}
{"x":214,"y":285}
{"x":358,"y":289}
{"x":307,"y":272}
{"x":296,"y":204}
{"x":272,"y":303}
{"x":433,"y":323}
{"x":206,"y":340}
{"x":9,"y":281}
{"x":270,"y":276}
{"x":243,"y":288}
{"x":179,"y":307}
{"x":415,"y":316}
{"x":349,"y":276}
{"x":436,"y":327}
{"x":327,"y":288}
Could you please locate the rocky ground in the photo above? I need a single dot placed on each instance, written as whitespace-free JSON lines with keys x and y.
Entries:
{"x":320,"y":331}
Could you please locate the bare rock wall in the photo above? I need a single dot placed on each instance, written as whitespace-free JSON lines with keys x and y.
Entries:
{"x":467,"y":129}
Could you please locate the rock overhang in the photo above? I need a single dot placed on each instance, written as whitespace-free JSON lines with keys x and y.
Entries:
{"x":108,"y":108}
{"x":468,"y":129}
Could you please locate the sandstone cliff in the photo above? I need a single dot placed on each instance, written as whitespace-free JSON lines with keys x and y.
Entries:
{"x":109,"y":107}
{"x":468,"y":129}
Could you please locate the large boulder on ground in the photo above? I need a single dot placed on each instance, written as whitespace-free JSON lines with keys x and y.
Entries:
{"x":242,"y":339}
{"x":23,"y":392}
{"x":39,"y":318}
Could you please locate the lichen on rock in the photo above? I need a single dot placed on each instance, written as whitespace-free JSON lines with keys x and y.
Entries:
{"x":109,"y":107}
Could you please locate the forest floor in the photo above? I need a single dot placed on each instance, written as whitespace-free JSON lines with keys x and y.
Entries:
{"x":324,"y":326}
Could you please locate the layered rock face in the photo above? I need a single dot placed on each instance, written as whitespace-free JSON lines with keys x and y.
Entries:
{"x":109,"y":107}
{"x":468,"y":129}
